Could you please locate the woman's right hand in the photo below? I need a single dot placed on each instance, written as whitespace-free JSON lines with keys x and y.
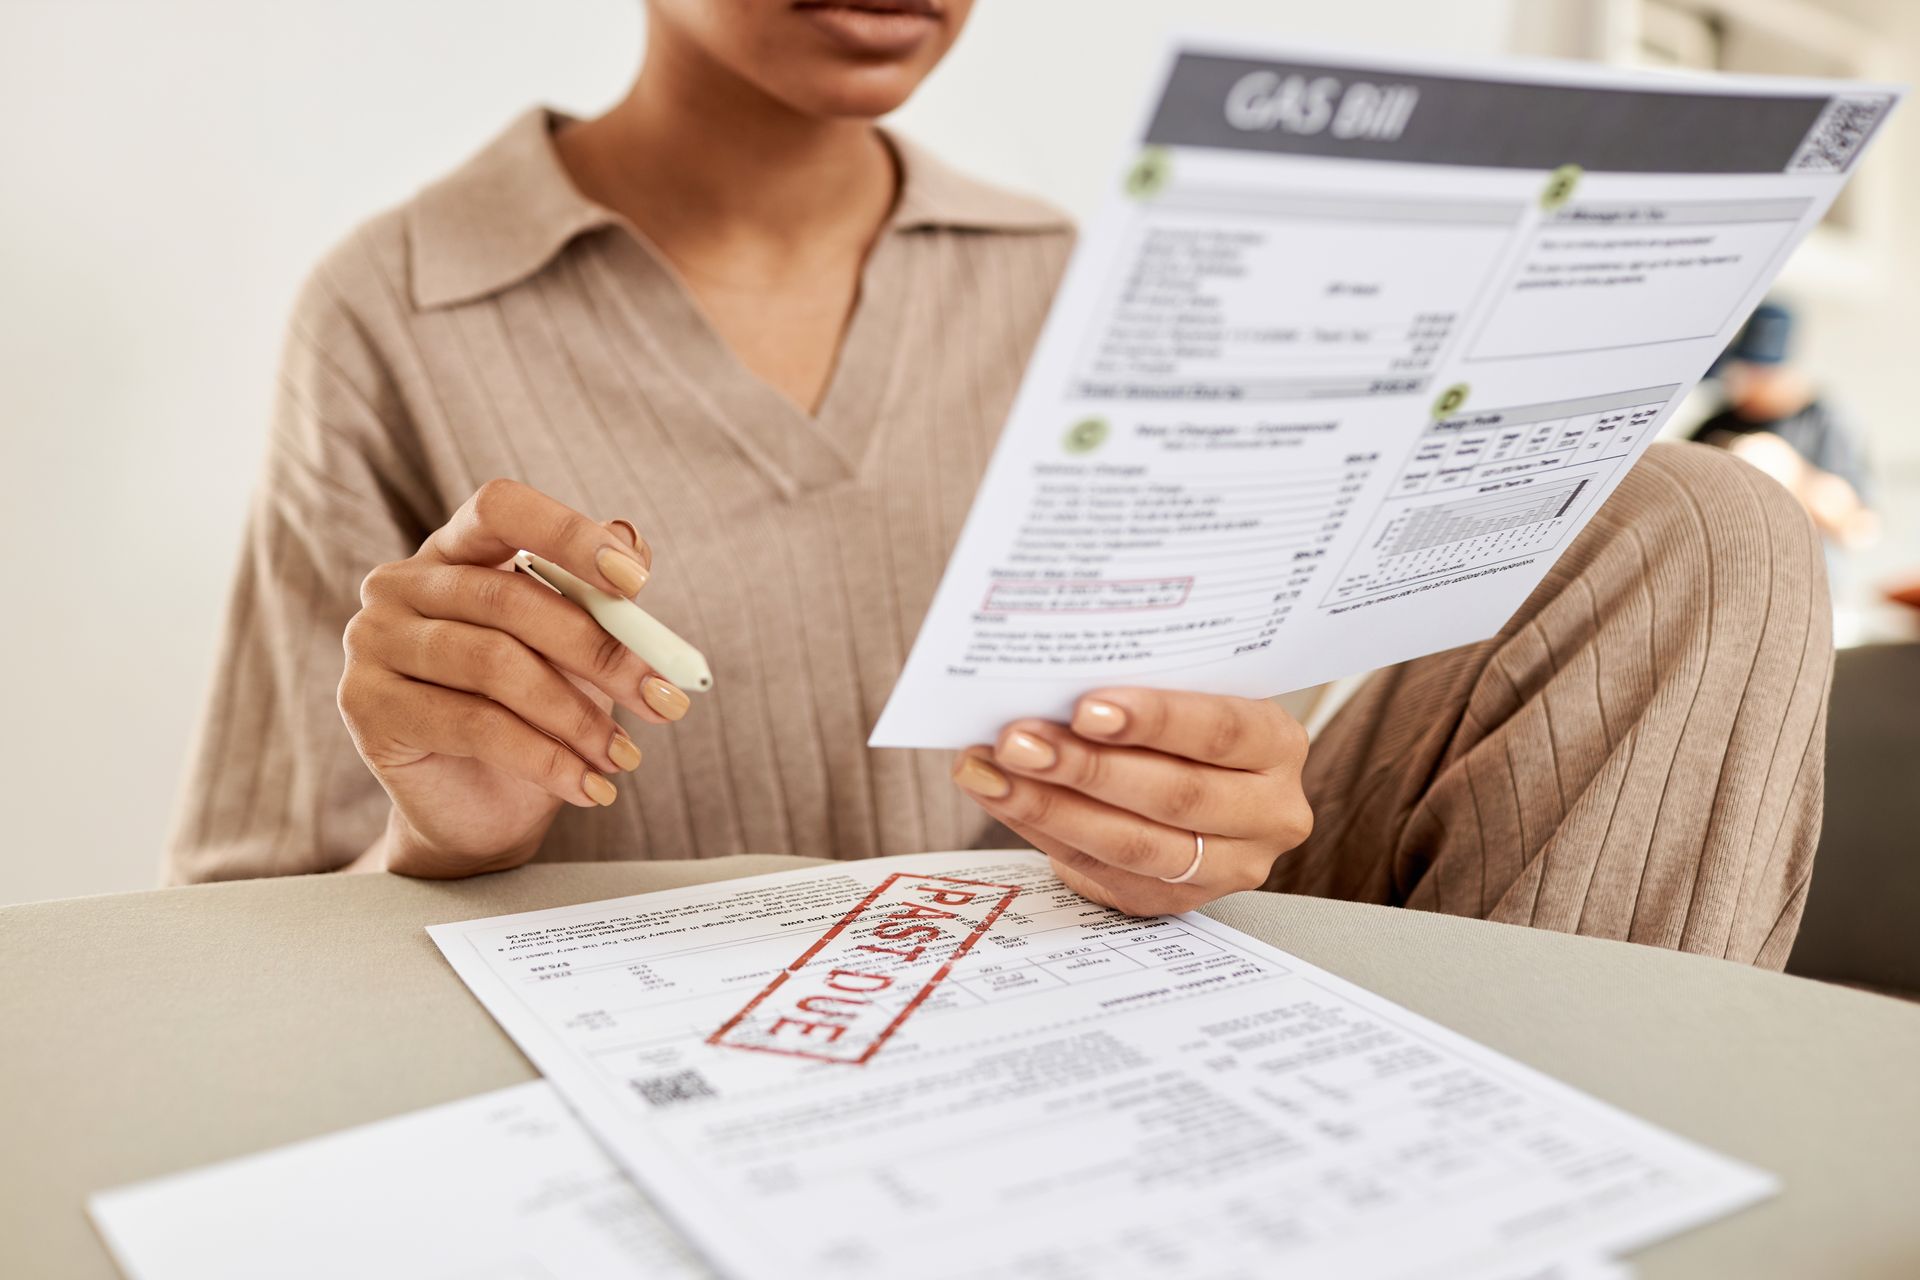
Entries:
{"x":480,"y":698}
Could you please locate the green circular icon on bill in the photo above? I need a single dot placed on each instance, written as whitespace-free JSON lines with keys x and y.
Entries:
{"x":1085,"y":435}
{"x":1149,"y":174}
{"x":1451,"y":401}
{"x":1560,"y":185}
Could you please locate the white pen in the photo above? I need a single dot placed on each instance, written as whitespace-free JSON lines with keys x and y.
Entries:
{"x":627,"y":622}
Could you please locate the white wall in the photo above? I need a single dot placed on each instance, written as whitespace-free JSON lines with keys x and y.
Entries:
{"x":167,"y":172}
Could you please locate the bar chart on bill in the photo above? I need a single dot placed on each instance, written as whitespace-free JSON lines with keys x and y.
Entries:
{"x":1499,"y":520}
{"x":1490,"y":488}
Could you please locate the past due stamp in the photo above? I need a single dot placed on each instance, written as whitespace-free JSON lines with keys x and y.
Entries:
{"x":850,"y":991}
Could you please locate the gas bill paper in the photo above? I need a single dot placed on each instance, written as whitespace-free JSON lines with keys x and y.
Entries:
{"x":1355,"y":348}
{"x":950,"y":1065}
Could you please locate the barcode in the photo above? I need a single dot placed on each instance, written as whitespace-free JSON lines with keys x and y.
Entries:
{"x":1838,"y":135}
{"x":670,"y":1090}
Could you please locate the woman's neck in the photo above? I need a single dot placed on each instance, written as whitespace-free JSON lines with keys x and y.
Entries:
{"x":728,"y":181}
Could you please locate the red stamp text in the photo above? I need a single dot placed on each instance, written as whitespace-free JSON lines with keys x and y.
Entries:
{"x":851,"y":990}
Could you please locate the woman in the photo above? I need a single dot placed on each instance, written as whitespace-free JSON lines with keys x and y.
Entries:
{"x":732,"y":344}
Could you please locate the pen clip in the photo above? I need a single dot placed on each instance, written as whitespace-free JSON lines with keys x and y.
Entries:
{"x":523,"y":561}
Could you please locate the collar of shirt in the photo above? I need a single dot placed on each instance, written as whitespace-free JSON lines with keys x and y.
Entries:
{"x":511,"y":209}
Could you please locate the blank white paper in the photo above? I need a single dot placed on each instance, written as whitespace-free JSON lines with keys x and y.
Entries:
{"x":503,"y":1186}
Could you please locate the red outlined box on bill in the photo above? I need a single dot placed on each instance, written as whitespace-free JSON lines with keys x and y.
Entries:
{"x":849,"y":992}
{"x":1085,"y":595}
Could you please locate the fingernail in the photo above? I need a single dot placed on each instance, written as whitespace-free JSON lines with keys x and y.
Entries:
{"x":626,"y":530}
{"x":623,"y":752}
{"x":1097,"y":719}
{"x":622,"y":570}
{"x":1024,"y":751}
{"x":598,"y":789}
{"x":668,"y":699}
{"x":981,"y":778}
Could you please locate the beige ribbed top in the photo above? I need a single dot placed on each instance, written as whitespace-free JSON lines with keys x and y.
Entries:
{"x":500,"y":324}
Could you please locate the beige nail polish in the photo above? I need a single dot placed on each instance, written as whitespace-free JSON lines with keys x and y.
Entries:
{"x":1024,"y":751}
{"x":1097,"y":719}
{"x":623,"y":752}
{"x":622,"y":570}
{"x":598,"y":789}
{"x":981,"y":778}
{"x":666,"y":698}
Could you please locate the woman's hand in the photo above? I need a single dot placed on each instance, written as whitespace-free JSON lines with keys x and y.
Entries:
{"x":1116,"y":800}
{"x":480,"y":698}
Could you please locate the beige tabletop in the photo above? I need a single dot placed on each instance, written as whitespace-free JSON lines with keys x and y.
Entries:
{"x":146,"y":1033}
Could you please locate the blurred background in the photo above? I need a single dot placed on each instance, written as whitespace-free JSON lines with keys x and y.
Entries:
{"x":173,"y":169}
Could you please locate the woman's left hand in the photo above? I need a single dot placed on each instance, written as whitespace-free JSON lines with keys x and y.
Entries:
{"x":1120,"y":800}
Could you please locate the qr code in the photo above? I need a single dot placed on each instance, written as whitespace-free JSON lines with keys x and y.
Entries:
{"x":1837,"y":136}
{"x":671,"y":1090}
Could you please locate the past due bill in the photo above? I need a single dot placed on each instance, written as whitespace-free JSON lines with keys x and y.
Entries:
{"x":1354,"y":349}
{"x":949,"y":1065}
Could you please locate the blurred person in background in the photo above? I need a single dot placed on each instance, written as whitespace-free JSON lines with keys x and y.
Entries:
{"x":1772,"y":415}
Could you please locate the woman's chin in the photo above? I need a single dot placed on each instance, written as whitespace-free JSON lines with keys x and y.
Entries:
{"x":842,"y":92}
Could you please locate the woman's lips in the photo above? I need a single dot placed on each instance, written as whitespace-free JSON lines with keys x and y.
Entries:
{"x":876,"y":28}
